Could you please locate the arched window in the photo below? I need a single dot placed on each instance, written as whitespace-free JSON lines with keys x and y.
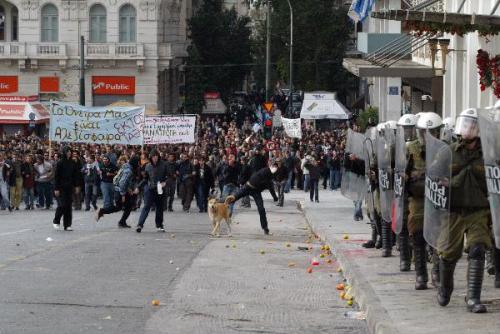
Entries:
{"x":50,"y":23}
{"x":127,"y":24}
{"x":2,"y":23}
{"x":15,"y":24}
{"x":98,"y":24}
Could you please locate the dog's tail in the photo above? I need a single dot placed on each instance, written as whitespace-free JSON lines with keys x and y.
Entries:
{"x":229,"y":199}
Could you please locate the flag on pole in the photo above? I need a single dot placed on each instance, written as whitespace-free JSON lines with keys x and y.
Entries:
{"x":360,"y":9}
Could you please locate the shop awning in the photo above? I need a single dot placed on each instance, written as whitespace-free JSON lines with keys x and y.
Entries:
{"x":323,"y":105}
{"x":22,"y":110}
{"x":404,"y":68}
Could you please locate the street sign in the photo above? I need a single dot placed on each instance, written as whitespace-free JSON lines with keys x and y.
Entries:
{"x":268,"y":106}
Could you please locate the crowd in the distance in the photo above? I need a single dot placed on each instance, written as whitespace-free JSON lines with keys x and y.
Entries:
{"x":224,"y":157}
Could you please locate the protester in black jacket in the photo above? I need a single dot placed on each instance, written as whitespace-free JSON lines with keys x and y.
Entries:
{"x":155,"y":179}
{"x":245,"y":174}
{"x":67,"y":178}
{"x":204,"y":182}
{"x":258,"y":182}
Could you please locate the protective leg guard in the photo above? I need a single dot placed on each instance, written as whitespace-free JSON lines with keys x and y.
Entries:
{"x":422,"y":276}
{"x":386,"y":239}
{"x":490,"y":261}
{"x":435,"y":277}
{"x":446,"y":270}
{"x":497,"y":267}
{"x":475,"y":275}
{"x":404,"y":251}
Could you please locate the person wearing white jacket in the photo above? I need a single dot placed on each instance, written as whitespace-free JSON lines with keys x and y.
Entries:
{"x":305,"y":171}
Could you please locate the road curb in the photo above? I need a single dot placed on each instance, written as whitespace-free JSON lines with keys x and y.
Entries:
{"x":377,"y":317}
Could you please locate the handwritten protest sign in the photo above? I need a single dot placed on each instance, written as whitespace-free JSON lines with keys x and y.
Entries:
{"x":72,"y":123}
{"x":292,"y":127}
{"x":169,"y":129}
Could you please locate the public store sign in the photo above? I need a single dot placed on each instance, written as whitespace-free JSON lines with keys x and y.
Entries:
{"x":72,"y":123}
{"x":113,"y":85}
{"x":8,"y":84}
{"x":169,"y":129}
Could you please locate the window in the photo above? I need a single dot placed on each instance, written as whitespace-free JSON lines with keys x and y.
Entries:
{"x":98,"y":24}
{"x":15,"y":24}
{"x":127,"y":24}
{"x":2,"y":23}
{"x":50,"y":24}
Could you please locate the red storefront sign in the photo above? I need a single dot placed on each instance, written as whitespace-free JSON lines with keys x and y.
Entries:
{"x":31,"y":98}
{"x":8,"y":84}
{"x":113,"y":85}
{"x":211,"y":95}
{"x":49,"y":84}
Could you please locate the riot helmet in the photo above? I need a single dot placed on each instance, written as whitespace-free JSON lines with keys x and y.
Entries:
{"x":467,"y":126}
{"x":428,"y":121}
{"x":408,"y":123}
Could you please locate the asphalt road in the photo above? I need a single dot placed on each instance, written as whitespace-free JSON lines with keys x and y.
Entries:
{"x":101,"y":279}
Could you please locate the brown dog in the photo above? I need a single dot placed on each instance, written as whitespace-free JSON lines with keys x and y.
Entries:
{"x":218,"y":212}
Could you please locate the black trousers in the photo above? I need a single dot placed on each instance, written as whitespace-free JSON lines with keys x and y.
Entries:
{"x":127,"y":206}
{"x":259,"y":202}
{"x":64,"y":207}
{"x":169,"y":193}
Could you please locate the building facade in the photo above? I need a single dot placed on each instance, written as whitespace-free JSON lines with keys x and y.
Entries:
{"x":133,"y":50}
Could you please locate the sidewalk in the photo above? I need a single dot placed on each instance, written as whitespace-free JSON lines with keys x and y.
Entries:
{"x":387,"y":295}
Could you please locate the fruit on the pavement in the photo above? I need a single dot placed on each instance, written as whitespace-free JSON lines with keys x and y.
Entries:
{"x":155,"y":302}
{"x":288,"y":245}
{"x":291,"y":264}
{"x":349,"y":302}
{"x":327,"y":248}
{"x":329,"y":261}
{"x":339,"y":270}
{"x":309,"y":270}
{"x":342,"y":294}
{"x":346,"y":237}
{"x":262,"y":252}
{"x":340,"y":286}
{"x":322,"y":255}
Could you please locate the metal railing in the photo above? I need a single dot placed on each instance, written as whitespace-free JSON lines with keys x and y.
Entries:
{"x":118,"y":50}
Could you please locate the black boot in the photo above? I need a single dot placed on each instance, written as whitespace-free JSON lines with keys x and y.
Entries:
{"x":404,"y":251}
{"x":378,"y":226}
{"x":386,"y":239}
{"x":446,"y":270}
{"x":435,"y":278}
{"x":497,"y":267}
{"x":475,"y":274}
{"x":420,"y":266}
{"x":371,"y":243}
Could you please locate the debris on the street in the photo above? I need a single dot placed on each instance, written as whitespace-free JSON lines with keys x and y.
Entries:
{"x":315,"y":262}
{"x":49,"y":239}
{"x":357,"y":315}
{"x":155,"y":302}
{"x":309,"y":270}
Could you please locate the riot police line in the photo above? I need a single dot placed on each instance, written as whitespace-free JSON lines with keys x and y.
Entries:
{"x":433,"y":187}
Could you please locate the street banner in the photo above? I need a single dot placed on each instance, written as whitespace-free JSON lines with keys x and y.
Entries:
{"x":170,"y":129}
{"x":73,"y":123}
{"x":292,"y":127}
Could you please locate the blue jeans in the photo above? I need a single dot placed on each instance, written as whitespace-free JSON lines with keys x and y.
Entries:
{"x":307,"y":177}
{"x":44,"y":194}
{"x":313,"y":192}
{"x":29,"y":196}
{"x":201,"y":196}
{"x":90,"y":195}
{"x":229,"y":189}
{"x":358,"y":212}
{"x":334,"y":179}
{"x":288,"y":185}
{"x":107,"y":189}
{"x":151,"y":197}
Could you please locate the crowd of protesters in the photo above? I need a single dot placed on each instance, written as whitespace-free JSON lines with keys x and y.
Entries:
{"x":222,"y":160}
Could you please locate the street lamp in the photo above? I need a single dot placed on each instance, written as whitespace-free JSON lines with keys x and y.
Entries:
{"x":291,"y":58}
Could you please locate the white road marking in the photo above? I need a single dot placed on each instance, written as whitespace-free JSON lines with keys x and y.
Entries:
{"x":14,"y":232}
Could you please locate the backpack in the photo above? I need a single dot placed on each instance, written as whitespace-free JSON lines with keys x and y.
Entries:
{"x":118,"y":177}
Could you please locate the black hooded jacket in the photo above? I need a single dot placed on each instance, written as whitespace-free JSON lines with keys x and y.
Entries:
{"x":67,"y":173}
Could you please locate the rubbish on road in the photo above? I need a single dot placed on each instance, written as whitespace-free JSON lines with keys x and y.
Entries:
{"x":329,"y":261}
{"x":340,"y":286}
{"x":17,"y":244}
{"x":288,"y":245}
{"x":327,"y":248}
{"x":177,"y":269}
{"x":172,"y":236}
{"x":227,"y":246}
{"x":339,"y":270}
{"x":302,"y":248}
{"x":346,"y":237}
{"x":357,"y":315}
{"x":171,"y":261}
{"x":155,"y":302}
{"x":315,"y":262}
{"x":49,"y":239}
{"x":349,"y":302}
{"x":291,"y":264}
{"x":107,"y":318}
{"x":342,"y":294}
{"x":262,"y":252}
{"x":309,"y":270}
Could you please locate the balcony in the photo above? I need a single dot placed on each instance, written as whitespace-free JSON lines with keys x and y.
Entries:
{"x":12,"y":50}
{"x":47,"y":50}
{"x":371,"y":42}
{"x":114,"y":51}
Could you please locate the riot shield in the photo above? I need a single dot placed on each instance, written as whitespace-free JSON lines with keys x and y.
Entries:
{"x":489,"y":125}
{"x":353,"y":184}
{"x":385,"y":149}
{"x":438,"y":159}
{"x":369,"y":155}
{"x":399,"y":180}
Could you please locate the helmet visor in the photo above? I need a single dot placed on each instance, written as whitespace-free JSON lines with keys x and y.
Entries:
{"x":467,"y":127}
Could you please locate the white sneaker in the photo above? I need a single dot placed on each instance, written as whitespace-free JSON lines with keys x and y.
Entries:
{"x":69,"y":228}
{"x":160,"y":229}
{"x":56,"y":226}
